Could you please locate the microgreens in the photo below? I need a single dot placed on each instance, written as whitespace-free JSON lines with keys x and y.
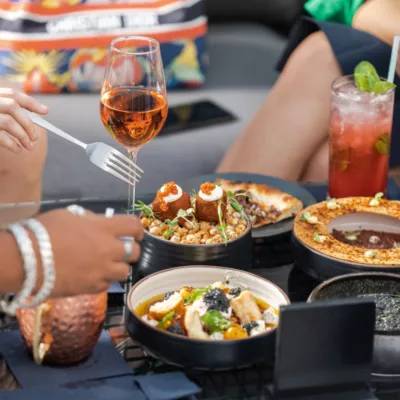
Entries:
{"x":306,"y":215}
{"x":370,"y":253}
{"x":143,"y":208}
{"x":232,"y":197}
{"x":171,"y":223}
{"x":193,"y":196}
{"x":352,"y":235}
{"x":222,"y":226}
{"x":319,"y":238}
{"x":311,"y":219}
{"x":375,"y":201}
{"x":332,"y":204}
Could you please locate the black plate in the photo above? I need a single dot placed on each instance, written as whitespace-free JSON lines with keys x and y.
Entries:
{"x":386,"y":362}
{"x":289,"y":187}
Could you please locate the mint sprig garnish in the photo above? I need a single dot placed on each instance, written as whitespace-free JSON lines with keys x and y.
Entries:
{"x":367,"y":79}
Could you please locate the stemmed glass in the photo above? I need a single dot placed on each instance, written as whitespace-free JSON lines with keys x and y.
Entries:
{"x":133,"y":103}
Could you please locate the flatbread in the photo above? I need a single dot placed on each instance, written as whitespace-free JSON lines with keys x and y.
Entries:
{"x":264,"y":204}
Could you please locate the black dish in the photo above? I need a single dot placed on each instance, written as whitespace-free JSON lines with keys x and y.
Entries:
{"x":386,"y":344}
{"x":288,"y":187}
{"x":201,"y":354}
{"x":321,"y":266}
{"x":159,"y":254}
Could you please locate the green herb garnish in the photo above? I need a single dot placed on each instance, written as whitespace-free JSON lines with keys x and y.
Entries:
{"x":305,"y":216}
{"x":144,"y":209}
{"x":382,"y":144}
{"x":171,"y":223}
{"x":166,"y":319}
{"x":233,"y":201}
{"x":222,"y":225}
{"x":196,"y":294}
{"x":351,"y":235}
{"x":376,"y":200}
{"x":215,"y":322}
{"x":193,"y":197}
{"x":319,"y":238}
{"x":367,"y":79}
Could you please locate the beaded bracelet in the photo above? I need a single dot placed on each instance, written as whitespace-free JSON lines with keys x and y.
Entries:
{"x":46,"y":254}
{"x":30,"y":265}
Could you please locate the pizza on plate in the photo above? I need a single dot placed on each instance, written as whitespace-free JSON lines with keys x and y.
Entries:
{"x":262,"y":203}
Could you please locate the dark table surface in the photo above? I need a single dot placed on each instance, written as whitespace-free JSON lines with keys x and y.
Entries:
{"x":273,"y":259}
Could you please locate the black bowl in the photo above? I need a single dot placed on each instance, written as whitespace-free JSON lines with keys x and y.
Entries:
{"x":159,"y":254}
{"x":386,"y":344}
{"x":201,"y":354}
{"x":321,"y":266}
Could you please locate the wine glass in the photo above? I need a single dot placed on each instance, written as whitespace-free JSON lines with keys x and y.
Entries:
{"x":133,"y":102}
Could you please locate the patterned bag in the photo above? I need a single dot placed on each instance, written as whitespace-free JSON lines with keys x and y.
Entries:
{"x":53,"y":46}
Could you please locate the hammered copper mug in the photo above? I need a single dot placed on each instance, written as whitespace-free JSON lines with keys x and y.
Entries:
{"x":65,"y":330}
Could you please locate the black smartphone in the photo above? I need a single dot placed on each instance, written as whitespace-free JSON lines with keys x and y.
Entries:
{"x":195,"y":115}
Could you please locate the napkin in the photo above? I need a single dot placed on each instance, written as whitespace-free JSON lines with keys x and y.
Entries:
{"x":104,"y":362}
{"x":168,"y":386}
{"x":51,"y":393}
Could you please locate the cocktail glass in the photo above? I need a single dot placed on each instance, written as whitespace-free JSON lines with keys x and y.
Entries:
{"x":359,"y":148}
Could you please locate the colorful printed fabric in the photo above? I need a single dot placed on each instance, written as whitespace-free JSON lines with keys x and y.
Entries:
{"x":54,"y":46}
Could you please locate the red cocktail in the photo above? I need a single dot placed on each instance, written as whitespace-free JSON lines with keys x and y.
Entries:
{"x":361,"y":124}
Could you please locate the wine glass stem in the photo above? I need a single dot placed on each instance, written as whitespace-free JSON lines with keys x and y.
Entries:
{"x":132,"y":187}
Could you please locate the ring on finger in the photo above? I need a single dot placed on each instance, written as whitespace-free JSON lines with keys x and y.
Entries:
{"x":76,"y":210}
{"x":128,"y":247}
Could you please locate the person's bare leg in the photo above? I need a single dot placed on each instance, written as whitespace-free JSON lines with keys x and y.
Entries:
{"x":318,"y":167}
{"x":293,"y":121}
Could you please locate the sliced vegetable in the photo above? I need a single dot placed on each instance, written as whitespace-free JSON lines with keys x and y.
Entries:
{"x":166,"y":322}
{"x":215,"y":322}
{"x":235,"y":332}
{"x":196,"y":294}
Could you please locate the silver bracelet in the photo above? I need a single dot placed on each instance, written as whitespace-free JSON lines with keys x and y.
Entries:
{"x":30,"y":266}
{"x":46,"y":254}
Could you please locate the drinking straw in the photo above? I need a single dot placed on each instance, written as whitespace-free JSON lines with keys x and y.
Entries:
{"x":393,"y":59}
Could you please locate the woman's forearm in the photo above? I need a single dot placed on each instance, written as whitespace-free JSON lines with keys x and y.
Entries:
{"x":380,"y":18}
{"x":11,"y":267}
{"x":12,"y":273}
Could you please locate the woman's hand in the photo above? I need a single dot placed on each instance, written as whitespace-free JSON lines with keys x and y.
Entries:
{"x":88,"y":253}
{"x":16,"y":128}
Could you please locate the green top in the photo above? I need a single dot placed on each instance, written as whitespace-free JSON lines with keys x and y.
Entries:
{"x":341,"y":11}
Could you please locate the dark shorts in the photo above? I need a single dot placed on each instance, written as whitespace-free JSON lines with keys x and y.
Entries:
{"x":351,"y":46}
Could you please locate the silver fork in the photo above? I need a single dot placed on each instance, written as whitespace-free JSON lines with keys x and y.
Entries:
{"x":100,"y":154}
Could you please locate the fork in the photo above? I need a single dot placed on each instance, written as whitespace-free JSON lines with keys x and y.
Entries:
{"x":100,"y":154}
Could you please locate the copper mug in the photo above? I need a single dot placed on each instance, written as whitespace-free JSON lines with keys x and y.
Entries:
{"x":65,"y":330}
